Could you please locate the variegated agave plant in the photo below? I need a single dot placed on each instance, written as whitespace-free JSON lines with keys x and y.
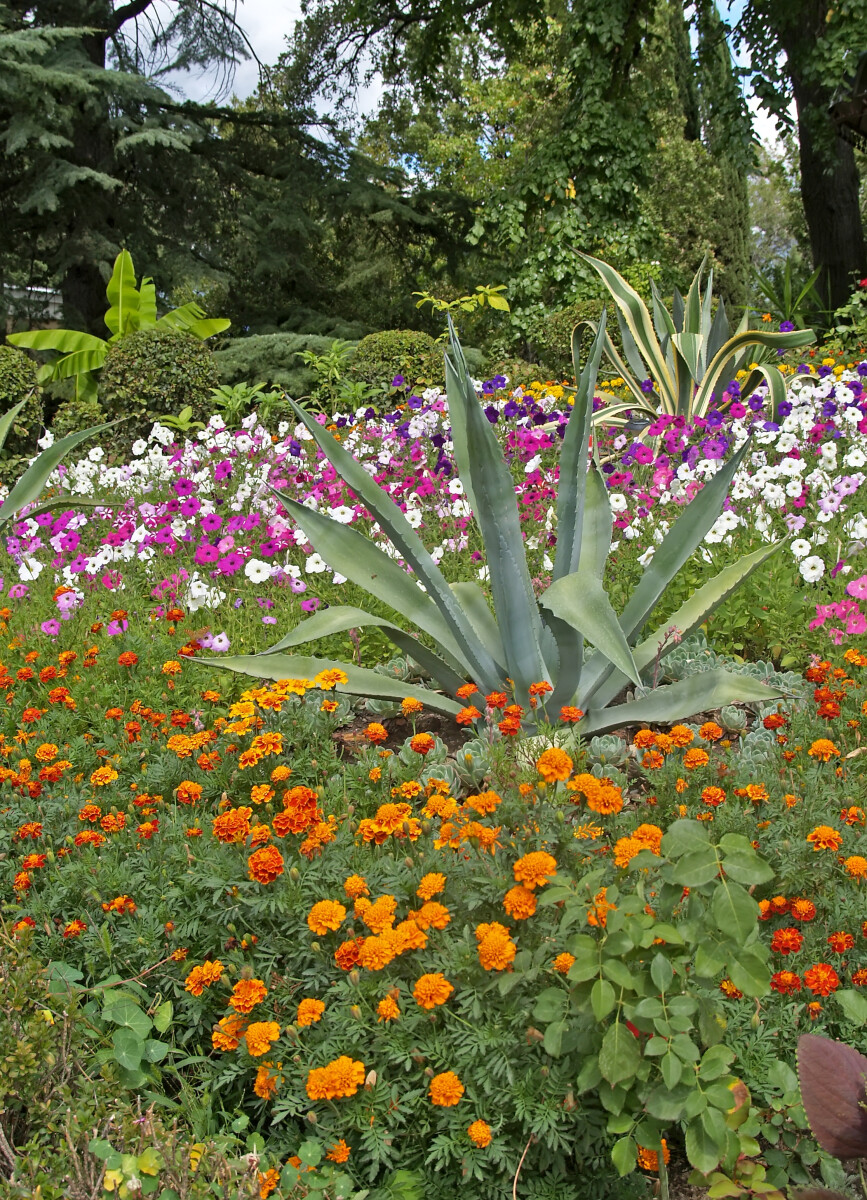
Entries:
{"x":688,"y":354}
{"x":569,"y":637}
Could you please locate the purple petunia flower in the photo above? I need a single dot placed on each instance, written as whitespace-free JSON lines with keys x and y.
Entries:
{"x":184,"y":487}
{"x":311,"y":605}
{"x":52,"y":627}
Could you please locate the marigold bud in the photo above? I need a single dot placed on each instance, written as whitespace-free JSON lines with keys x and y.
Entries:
{"x":311,"y":1117}
{"x":354,"y":977}
{"x":294,"y":874}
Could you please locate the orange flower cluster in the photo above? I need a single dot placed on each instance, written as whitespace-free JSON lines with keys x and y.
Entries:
{"x":342,"y":1077}
{"x":534,"y":869}
{"x":432,"y":990}
{"x":309,"y":1012}
{"x":120,"y":904}
{"x":825,"y":837}
{"x":431,"y":885}
{"x":645,"y":837}
{"x":602,"y":796}
{"x":259,"y":1037}
{"x":232,"y":826}
{"x":391,"y":820}
{"x":495,"y":946}
{"x":445,"y":1090}
{"x":246,"y":994}
{"x":554,"y":765}
{"x":201,"y":977}
{"x":325,"y":916}
{"x":265,"y":865}
{"x":520,"y":902}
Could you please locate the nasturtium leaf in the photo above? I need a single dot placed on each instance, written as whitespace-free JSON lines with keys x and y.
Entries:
{"x":310,"y":1153}
{"x":128,"y":1049}
{"x":128,"y":1014}
{"x":163,"y":1016}
{"x":619,"y":1055}
{"x":149,"y":1161}
{"x":155,"y":1051}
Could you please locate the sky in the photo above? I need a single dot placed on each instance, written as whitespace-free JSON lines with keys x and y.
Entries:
{"x":267,"y":24}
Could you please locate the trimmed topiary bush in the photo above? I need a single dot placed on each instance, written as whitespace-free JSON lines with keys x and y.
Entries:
{"x":415,"y":356}
{"x":18,"y":382}
{"x":76,"y":414}
{"x":154,"y":373}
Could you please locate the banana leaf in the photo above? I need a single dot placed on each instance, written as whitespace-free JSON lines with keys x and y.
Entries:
{"x":122,"y":296}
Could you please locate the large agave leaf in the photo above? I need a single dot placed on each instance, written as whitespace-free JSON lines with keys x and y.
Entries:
{"x":692,"y":308}
{"x":352,"y":554}
{"x":32,"y":483}
{"x":706,"y":318}
{"x":342,"y":617}
{"x":122,"y":296}
{"x":574,"y":456}
{"x":480,"y":459}
{"x":637,"y":318}
{"x":482,"y":668}
{"x":630,"y":348}
{"x":718,"y":335}
{"x":361,"y":681}
{"x":610,"y":352}
{"x":677,"y":701}
{"x":740,"y":341}
{"x":689,"y":617}
{"x":8,"y":419}
{"x":583,"y":603}
{"x":475,"y":605}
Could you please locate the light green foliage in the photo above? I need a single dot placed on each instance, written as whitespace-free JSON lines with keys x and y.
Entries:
{"x":528,"y":640}
{"x":471,"y":302}
{"x":235,"y":402}
{"x":381,"y":356}
{"x":132,"y":309}
{"x":18,"y":382}
{"x":689,"y":354}
{"x":272,"y":357}
{"x":154,"y":373}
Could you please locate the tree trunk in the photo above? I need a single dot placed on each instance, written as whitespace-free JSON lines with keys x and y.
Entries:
{"x":829,"y":191}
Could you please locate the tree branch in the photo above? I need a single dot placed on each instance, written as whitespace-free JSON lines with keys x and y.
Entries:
{"x":128,"y":12}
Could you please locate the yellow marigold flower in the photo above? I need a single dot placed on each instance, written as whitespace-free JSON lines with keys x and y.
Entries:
{"x":479,"y":1134}
{"x":355,"y":886}
{"x":259,"y":1037}
{"x":246,"y":994}
{"x":46,"y":752}
{"x":534,"y":868}
{"x":825,"y":837}
{"x":309,"y":1012}
{"x":172,"y":667}
{"x":410,"y":705}
{"x":326,"y":680}
{"x":342,"y":1077}
{"x":823,"y":749}
{"x":387,"y":1009}
{"x":856,"y":866}
{"x":519,"y":902}
{"x":554,"y":765}
{"x":325,"y":916}
{"x":445,"y":1089}
{"x":431,"y":885}
{"x":102,"y":776}
{"x":432,"y":990}
{"x":563,"y":962}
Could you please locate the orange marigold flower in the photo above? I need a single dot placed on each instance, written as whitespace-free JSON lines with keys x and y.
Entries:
{"x":787,"y":941}
{"x":266,"y":1084}
{"x":856,"y":866}
{"x":246,"y":994}
{"x":598,"y":914}
{"x":563,"y":962}
{"x":479,"y":1134}
{"x":355,"y":886}
{"x":713,"y":796}
{"x":554,"y":765}
{"x":496,"y":700}
{"x":539,"y":689}
{"x":431,"y":885}
{"x":387,"y":1009}
{"x":127,"y":659}
{"x":650,"y":837}
{"x":309,"y":1012}
{"x":803,"y":910}
{"x":496,"y":951}
{"x":710,"y":731}
{"x":859,"y":977}
{"x":102,"y":776}
{"x":823,"y":749}
{"x":342,"y":1077}
{"x":644,"y":739}
{"x":346,"y":954}
{"x":681,"y":736}
{"x":853,"y":815}
{"x":233,"y":825}
{"x":422,"y":743}
{"x":445,"y":1089}
{"x":432,"y":990}
{"x":172,"y":667}
{"x":264,"y":865}
{"x":259,"y":1037}
{"x":409,"y":705}
{"x":533,"y":869}
{"x":227,"y":1033}
{"x":652,"y":760}
{"x":74,"y":929}
{"x":326,"y":680}
{"x":201,"y":977}
{"x":466,"y":690}
{"x":840,"y":942}
{"x":728,"y":989}
{"x":376,"y":733}
{"x":648,"y":1160}
{"x":570,"y":714}
{"x":519,"y":902}
{"x":46,"y":752}
{"x":377,"y":952}
{"x":31,"y":829}
{"x":825,"y":837}
{"x":821,"y":979}
{"x":483,"y":803}
{"x":325,"y":916}
{"x":431,"y":915}
{"x":695,"y":758}
{"x":378,"y":916}
{"x":339,"y":1152}
{"x":189,"y":792}
{"x":467,"y":715}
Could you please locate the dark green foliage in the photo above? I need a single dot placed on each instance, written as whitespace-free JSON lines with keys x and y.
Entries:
{"x":415,"y":356}
{"x":153,"y":373}
{"x":18,"y":382}
{"x":271,"y":358}
{"x":76,"y":414}
{"x":518,"y":372}
{"x":551,"y":337}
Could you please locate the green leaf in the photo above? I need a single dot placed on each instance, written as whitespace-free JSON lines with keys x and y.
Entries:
{"x":583,"y":603}
{"x":128,"y":1048}
{"x":130,"y":1016}
{"x":701,"y":1148}
{"x":853,"y":1004}
{"x":550,"y":1005}
{"x":745,"y":866}
{"x":602,"y":999}
{"x":163,"y":1016}
{"x":619,"y":1056}
{"x":684,"y":836}
{"x":672,"y":1070}
{"x":8,"y":419}
{"x":361,"y":681}
{"x":553,"y":1040}
{"x":155,"y":1051}
{"x":122,"y":296}
{"x":618,"y":973}
{"x":734,"y":910}
{"x":661,"y":972}
{"x":624,"y":1155}
{"x":695,"y":868}
{"x":666,"y":1103}
{"x":310,"y":1153}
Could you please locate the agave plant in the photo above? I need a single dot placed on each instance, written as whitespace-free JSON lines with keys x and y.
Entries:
{"x":129,"y":308}
{"x":525,"y":640}
{"x":687,"y":355}
{"x":32,"y":483}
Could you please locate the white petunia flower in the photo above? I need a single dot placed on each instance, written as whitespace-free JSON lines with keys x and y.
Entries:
{"x":812,"y":568}
{"x":800,"y":547}
{"x":257,"y":571}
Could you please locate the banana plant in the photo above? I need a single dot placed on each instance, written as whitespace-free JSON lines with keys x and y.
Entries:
{"x":524,"y":640}
{"x":32,"y":483}
{"x":82,"y":355}
{"x":687,"y":355}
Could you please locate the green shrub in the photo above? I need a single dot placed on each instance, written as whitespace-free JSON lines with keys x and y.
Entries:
{"x":551,"y":337}
{"x":273,"y":359}
{"x":153,"y":373}
{"x":518,"y":372}
{"x":415,"y":356}
{"x":17,"y":382}
{"x":76,"y":414}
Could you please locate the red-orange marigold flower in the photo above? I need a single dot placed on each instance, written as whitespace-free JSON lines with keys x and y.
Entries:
{"x":821,"y":979}
{"x":265,"y":864}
